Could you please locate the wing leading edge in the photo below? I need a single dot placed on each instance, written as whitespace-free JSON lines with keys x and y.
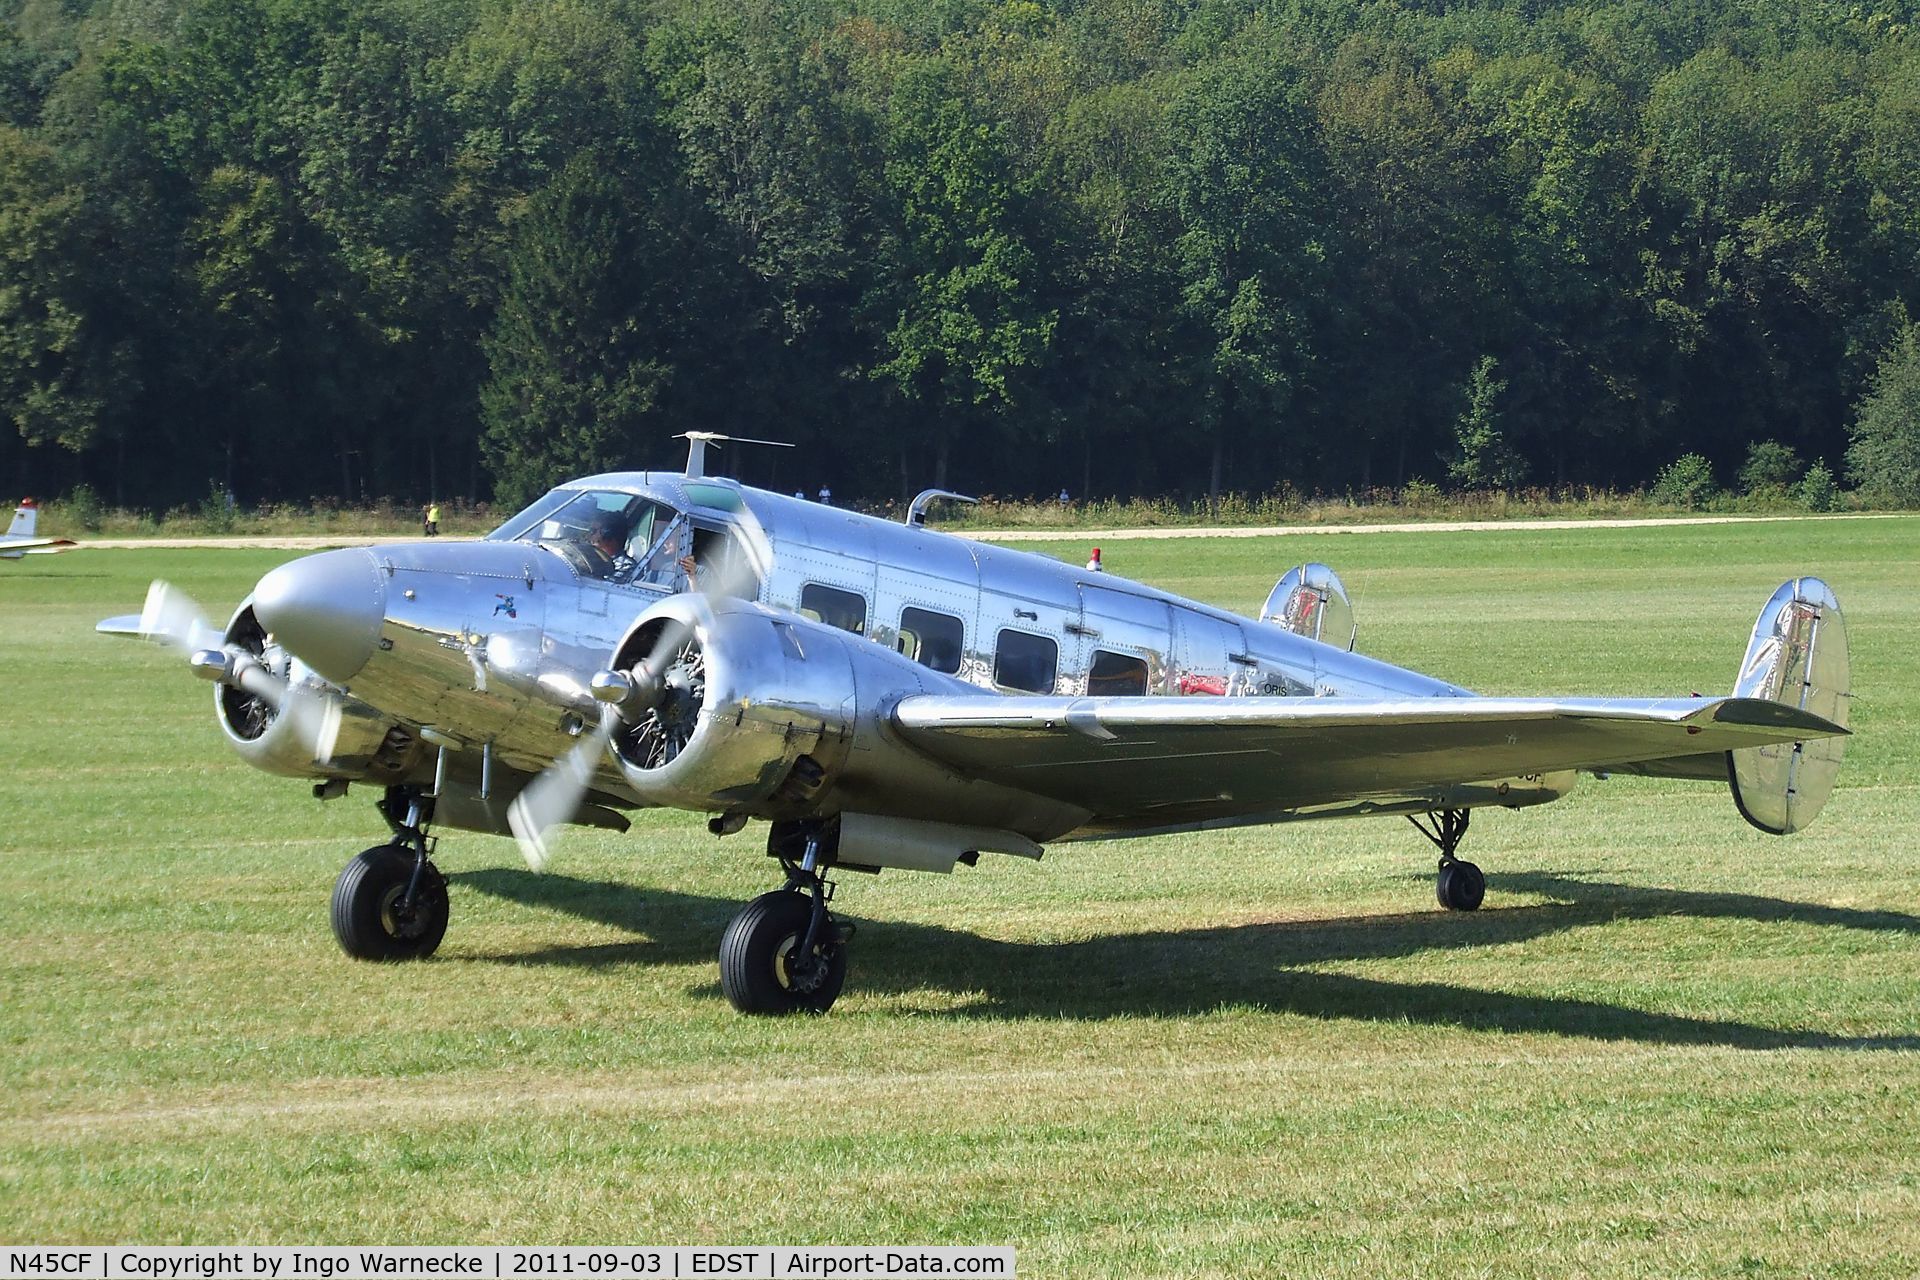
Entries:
{"x":1158,"y":764}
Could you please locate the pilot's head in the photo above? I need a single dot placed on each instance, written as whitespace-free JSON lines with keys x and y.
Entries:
{"x":607,"y":531}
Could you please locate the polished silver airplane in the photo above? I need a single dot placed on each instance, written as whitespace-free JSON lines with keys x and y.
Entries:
{"x":886,"y":696}
{"x":20,"y":538}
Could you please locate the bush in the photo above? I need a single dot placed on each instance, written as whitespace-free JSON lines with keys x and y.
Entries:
{"x":1770,"y":469}
{"x":1420,"y":495}
{"x":1687,"y":482}
{"x":83,"y":508}
{"x":216,"y":509}
{"x":1817,"y":490}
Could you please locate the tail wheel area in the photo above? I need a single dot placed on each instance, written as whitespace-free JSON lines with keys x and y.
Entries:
{"x":776,"y":958}
{"x":390,"y":904}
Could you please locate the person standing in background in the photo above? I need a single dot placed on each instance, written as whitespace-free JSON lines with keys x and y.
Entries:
{"x":433,"y":520}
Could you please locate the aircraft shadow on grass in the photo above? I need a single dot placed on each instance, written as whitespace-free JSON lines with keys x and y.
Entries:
{"x":1262,"y":965}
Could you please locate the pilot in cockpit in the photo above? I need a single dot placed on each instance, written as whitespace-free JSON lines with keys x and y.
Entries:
{"x":605,"y":548}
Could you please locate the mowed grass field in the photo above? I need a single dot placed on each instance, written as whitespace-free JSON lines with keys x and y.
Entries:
{"x":1667,"y":1046}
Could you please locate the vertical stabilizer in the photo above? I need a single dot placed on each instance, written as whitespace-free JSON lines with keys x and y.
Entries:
{"x":1311,"y":601}
{"x":25,"y":517}
{"x":1798,"y":655}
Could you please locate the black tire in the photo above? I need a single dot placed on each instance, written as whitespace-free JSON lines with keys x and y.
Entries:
{"x":367,"y":918}
{"x":1460,"y":887}
{"x":754,"y":952}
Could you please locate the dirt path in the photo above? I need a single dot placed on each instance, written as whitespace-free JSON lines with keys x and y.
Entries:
{"x":1413,"y":526}
{"x":311,"y":543}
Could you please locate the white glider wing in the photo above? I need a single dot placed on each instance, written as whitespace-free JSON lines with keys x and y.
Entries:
{"x":1152,"y":764}
{"x":14,"y":548}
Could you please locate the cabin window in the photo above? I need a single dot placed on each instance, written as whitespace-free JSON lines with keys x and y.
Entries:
{"x":1025,"y":662}
{"x":931,"y":639}
{"x":1115,"y":675}
{"x":846,"y":610}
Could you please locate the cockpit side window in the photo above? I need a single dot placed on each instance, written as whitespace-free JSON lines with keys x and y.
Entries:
{"x":667,"y":561}
{"x":601,"y":533}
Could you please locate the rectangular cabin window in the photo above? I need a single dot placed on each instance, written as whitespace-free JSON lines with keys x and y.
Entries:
{"x":1115,"y":675}
{"x":931,"y":639}
{"x":846,"y":610}
{"x":1026,"y":662}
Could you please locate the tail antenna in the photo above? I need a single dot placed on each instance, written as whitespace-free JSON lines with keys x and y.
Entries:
{"x":697,"y":442}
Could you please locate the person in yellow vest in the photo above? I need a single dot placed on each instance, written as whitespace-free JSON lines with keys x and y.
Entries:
{"x":433,"y":520}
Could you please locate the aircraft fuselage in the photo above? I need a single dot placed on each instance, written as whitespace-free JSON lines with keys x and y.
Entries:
{"x":479,"y":642}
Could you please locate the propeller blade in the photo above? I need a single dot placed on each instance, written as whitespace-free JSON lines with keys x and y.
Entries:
{"x":550,"y":800}
{"x":171,"y":617}
{"x":314,"y":717}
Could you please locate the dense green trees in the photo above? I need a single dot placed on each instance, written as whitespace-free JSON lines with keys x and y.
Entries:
{"x":1884,"y":458}
{"x":439,"y":247}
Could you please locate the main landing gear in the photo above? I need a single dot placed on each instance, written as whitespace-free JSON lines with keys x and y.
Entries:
{"x":390,"y":903}
{"x":784,"y":952}
{"x":1459,"y":886}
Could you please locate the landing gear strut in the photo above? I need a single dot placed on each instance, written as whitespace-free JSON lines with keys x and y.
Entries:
{"x":1459,"y":886}
{"x":390,"y":903}
{"x":784,"y":952}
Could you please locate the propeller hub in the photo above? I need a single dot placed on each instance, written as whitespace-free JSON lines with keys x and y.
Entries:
{"x":325,"y":609}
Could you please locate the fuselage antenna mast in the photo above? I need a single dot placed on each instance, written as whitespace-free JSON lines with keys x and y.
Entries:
{"x":697,"y":442}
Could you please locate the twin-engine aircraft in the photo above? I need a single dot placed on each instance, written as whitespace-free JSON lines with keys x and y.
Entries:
{"x":20,"y":540}
{"x":886,"y":696}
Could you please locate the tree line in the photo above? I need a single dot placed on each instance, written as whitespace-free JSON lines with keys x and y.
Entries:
{"x":439,"y":248}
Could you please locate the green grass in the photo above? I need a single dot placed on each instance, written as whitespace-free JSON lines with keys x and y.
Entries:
{"x":1668,"y":1045}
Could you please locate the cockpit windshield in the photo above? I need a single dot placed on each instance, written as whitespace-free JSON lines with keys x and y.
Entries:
{"x":619,"y":537}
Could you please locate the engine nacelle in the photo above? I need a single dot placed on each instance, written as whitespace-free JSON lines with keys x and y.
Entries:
{"x":777,"y":716}
{"x":365,"y":746}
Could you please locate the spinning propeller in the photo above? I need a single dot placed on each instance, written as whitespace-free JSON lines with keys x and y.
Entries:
{"x":172,"y":618}
{"x":669,"y":678}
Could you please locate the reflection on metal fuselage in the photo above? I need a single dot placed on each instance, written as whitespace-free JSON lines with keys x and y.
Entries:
{"x":493,"y":642}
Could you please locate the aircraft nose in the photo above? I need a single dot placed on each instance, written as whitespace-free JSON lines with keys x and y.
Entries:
{"x":326,"y":609}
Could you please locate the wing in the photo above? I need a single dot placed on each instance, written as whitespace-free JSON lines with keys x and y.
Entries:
{"x":14,"y":548}
{"x":1156,"y":764}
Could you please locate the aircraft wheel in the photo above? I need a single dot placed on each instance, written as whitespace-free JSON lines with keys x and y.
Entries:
{"x":760,"y":970}
{"x":1460,"y":886}
{"x":371,"y":916}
